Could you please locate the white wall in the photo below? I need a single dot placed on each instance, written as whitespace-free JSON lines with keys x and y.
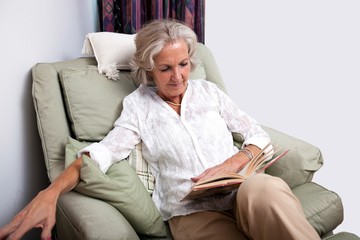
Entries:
{"x":31,"y":32}
{"x":295,"y":66}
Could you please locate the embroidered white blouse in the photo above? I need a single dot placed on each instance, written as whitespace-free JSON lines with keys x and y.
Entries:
{"x":178,"y":147}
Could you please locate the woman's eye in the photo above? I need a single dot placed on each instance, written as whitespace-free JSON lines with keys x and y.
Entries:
{"x":184,"y":64}
{"x":164,"y":69}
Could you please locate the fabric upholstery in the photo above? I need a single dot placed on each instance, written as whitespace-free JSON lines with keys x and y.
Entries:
{"x":323,"y":208}
{"x":299,"y":164}
{"x":142,"y":168}
{"x":135,"y":160}
{"x":342,"y":236}
{"x":110,"y":224}
{"x":91,"y":112}
{"x":52,"y":119}
{"x":121,"y":188}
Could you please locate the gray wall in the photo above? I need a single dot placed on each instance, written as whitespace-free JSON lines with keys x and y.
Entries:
{"x":31,"y":32}
{"x":294,"y":66}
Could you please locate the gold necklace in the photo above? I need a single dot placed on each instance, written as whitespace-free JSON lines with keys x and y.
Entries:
{"x":174,"y":104}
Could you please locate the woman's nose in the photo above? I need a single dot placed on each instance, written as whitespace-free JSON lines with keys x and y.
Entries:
{"x":176,"y":74}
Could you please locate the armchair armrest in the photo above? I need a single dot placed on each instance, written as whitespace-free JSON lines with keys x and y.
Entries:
{"x":82,"y":217}
{"x":298,"y":165}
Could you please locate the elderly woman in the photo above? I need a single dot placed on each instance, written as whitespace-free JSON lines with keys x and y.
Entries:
{"x":185,"y":127}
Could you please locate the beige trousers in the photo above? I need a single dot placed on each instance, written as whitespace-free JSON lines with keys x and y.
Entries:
{"x":265,"y":208}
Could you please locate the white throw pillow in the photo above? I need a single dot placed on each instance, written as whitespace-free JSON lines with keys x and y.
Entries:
{"x":112,"y":51}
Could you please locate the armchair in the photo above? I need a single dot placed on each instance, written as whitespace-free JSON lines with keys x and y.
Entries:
{"x":88,"y":216}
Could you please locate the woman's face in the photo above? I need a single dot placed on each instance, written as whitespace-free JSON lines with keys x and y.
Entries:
{"x":172,"y":68}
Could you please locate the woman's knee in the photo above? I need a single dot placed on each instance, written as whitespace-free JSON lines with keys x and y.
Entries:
{"x":261,"y":187}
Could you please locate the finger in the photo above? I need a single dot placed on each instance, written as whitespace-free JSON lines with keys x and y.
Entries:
{"x":46,"y":232}
{"x":6,"y":230}
{"x":197,"y":178}
{"x":26,"y":225}
{"x":3,"y":233}
{"x":194,"y":179}
{"x":9,"y":228}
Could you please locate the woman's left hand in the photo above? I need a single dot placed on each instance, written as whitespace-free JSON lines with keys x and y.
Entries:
{"x":231,"y":165}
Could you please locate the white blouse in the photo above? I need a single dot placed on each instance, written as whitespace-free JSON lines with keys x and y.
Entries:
{"x":179,"y":147}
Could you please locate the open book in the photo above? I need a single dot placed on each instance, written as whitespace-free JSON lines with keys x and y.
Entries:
{"x":228,"y":182}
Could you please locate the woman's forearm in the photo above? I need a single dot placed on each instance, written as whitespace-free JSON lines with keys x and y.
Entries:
{"x":231,"y":165}
{"x":67,"y":180}
{"x":41,"y":211}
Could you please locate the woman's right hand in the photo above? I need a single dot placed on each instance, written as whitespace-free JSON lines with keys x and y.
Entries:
{"x":39,"y":213}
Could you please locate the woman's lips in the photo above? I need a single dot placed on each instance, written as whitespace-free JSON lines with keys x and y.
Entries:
{"x":175,"y":84}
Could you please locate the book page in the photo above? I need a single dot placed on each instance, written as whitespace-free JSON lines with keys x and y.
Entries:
{"x":207,"y":192}
{"x":226,"y":183}
{"x":219,"y":178}
{"x":219,"y":183}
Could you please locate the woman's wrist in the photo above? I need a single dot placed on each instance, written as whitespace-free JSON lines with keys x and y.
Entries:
{"x":67,"y":180}
{"x":247,"y":151}
{"x":245,"y":155}
{"x":54,"y":190}
{"x":238,"y":161}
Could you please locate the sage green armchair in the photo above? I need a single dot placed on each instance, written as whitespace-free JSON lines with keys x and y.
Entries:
{"x":84,"y":214}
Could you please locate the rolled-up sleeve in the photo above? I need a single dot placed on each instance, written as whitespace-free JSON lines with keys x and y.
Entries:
{"x":100,"y":154}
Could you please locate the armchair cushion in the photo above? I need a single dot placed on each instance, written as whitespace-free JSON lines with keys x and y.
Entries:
{"x":299,"y":164}
{"x":135,"y":159}
{"x":91,"y":112}
{"x":82,"y":217}
{"x":322,"y":208}
{"x":121,"y":188}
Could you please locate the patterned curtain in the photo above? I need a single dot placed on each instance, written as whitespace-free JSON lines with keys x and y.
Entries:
{"x":128,"y":16}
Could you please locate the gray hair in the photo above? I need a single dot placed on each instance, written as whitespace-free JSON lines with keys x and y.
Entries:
{"x":151,"y":39}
